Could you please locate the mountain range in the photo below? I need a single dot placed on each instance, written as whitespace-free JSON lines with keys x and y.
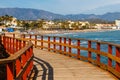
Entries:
{"x":34,"y":14}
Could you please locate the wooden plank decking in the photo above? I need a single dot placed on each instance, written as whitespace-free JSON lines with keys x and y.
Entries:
{"x":52,"y":66}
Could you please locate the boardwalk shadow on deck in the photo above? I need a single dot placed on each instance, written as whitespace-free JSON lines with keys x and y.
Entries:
{"x":47,"y":69}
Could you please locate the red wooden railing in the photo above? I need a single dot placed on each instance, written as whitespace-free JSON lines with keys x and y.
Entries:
{"x":20,"y":62}
{"x":92,"y":51}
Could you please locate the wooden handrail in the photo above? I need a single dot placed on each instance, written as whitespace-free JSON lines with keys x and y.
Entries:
{"x":64,"y":45}
{"x":97,"y":41}
{"x":16,"y":55}
{"x":20,"y":62}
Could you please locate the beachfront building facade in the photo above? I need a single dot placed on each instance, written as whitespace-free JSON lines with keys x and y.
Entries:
{"x":48,"y":25}
{"x":117,"y":23}
{"x":78,"y":24}
{"x":8,"y":21}
{"x":12,"y":23}
{"x":105,"y":26}
{"x":72,"y":25}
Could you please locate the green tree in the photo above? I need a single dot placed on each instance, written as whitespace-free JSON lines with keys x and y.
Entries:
{"x":19,"y":23}
{"x":25,"y":25}
{"x":65,"y":25}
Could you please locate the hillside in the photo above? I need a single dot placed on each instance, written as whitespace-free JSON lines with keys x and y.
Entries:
{"x":29,"y":14}
{"x":34,"y":14}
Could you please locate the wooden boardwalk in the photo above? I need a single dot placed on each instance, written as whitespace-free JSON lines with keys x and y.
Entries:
{"x":52,"y":66}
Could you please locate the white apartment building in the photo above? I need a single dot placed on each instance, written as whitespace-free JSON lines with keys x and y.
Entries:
{"x":117,"y":23}
{"x":12,"y":23}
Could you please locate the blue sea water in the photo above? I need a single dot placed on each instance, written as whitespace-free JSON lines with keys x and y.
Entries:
{"x":108,"y":36}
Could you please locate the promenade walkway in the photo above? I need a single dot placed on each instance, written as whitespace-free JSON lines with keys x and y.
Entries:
{"x":52,"y":66}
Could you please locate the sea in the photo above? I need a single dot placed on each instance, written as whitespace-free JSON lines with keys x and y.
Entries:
{"x":112,"y":36}
{"x":106,"y":36}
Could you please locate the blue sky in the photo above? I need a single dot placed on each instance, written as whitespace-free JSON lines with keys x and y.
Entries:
{"x":59,"y":6}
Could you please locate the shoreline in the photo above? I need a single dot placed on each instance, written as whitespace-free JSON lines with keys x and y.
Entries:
{"x":44,"y":32}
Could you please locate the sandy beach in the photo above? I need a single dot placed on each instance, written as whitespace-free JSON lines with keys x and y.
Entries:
{"x":44,"y":32}
{"x":70,"y":31}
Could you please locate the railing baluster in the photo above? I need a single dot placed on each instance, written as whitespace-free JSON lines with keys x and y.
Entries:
{"x":10,"y":71}
{"x":13,"y":35}
{"x":20,"y":46}
{"x":35,"y":41}
{"x":64,"y":45}
{"x":17,"y":45}
{"x":78,"y":50}
{"x":48,"y":43}
{"x":98,"y":55}
{"x":31,"y":51}
{"x":41,"y":42}
{"x":69,"y":47}
{"x":110,"y":52}
{"x":4,"y":41}
{"x":18,"y":66}
{"x":60,"y":41}
{"x":23,"y":41}
{"x":89,"y":53}
{"x":117,"y":67}
{"x":10,"y":45}
{"x":30,"y":37}
{"x":7,"y":43}
{"x":54,"y":40}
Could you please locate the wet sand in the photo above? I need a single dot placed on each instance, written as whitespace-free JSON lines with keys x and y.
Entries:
{"x":72,"y":31}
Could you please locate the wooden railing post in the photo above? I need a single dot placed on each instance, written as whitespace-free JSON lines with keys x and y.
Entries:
{"x":13,"y":41}
{"x":60,"y":41}
{"x":10,"y":71}
{"x":10,"y":39}
{"x":65,"y":46}
{"x":35,"y":41}
{"x":30,"y":37}
{"x":23,"y":41}
{"x":19,"y":63}
{"x":48,"y":43}
{"x":31,"y":50}
{"x":117,"y":67}
{"x":110,"y":52}
{"x":54,"y":40}
{"x":17,"y":47}
{"x":20,"y":46}
{"x":41,"y":41}
{"x":13,"y":35}
{"x":89,"y":46}
{"x":78,"y":50}
{"x":7,"y":43}
{"x":69,"y":42}
{"x":98,"y":55}
{"x":4,"y":41}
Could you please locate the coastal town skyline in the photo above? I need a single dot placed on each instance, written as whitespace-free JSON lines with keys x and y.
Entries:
{"x":62,"y":6}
